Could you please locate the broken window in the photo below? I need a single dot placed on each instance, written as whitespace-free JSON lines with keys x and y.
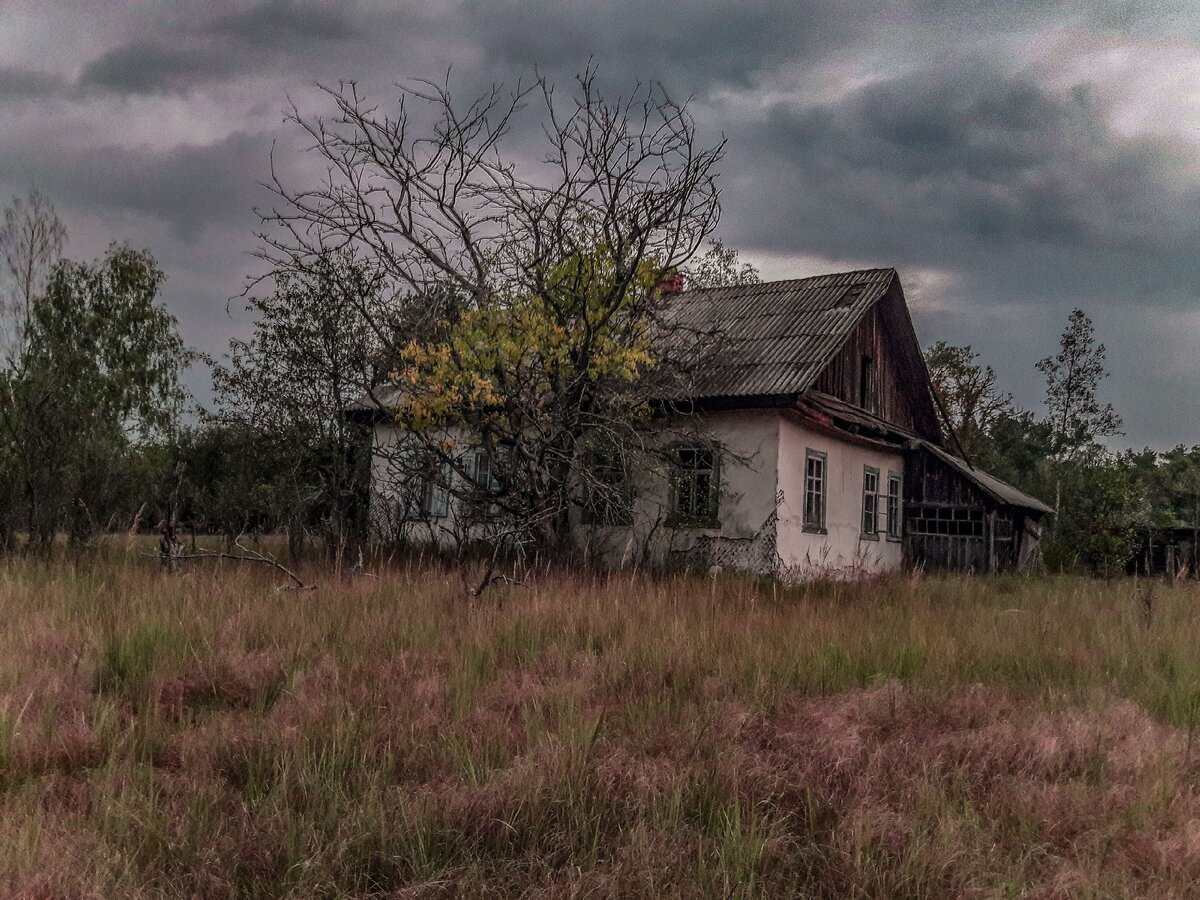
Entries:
{"x":487,"y":484}
{"x":435,"y":488}
{"x":695,"y":486}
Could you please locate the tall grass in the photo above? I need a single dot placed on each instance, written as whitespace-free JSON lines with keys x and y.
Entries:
{"x":207,"y":734}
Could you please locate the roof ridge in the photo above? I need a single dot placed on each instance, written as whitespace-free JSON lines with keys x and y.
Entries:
{"x":790,"y":282}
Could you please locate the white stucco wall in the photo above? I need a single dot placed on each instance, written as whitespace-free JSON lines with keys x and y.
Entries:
{"x":388,"y":516}
{"x":843,"y":550}
{"x":760,"y":511}
{"x":750,"y":445}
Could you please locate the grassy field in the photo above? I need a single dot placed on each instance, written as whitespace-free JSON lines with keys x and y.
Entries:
{"x":203,"y":734}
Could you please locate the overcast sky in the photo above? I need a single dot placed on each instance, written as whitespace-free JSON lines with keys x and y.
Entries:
{"x":1012,"y":160}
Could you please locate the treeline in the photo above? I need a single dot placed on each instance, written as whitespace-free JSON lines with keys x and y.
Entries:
{"x":426,"y":270}
{"x":1107,"y":500}
{"x":97,"y":433}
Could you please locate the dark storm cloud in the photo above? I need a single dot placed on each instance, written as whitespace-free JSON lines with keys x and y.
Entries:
{"x":21,"y":84}
{"x":687,"y":45}
{"x":189,"y":187}
{"x":150,"y":68}
{"x":942,"y":167}
{"x":286,"y":22}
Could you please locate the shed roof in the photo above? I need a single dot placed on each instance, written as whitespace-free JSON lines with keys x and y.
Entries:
{"x":1000,"y":491}
{"x":775,"y":337}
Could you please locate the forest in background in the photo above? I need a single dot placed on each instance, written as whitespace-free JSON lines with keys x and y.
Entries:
{"x":534,"y":336}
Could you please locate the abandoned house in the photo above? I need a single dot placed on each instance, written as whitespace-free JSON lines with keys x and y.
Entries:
{"x":813,"y":448}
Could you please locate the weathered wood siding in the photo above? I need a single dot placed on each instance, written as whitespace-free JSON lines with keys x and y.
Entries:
{"x":898,"y":387}
{"x":950,"y":525}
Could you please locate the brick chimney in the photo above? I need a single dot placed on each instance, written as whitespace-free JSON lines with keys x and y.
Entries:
{"x":671,"y":283}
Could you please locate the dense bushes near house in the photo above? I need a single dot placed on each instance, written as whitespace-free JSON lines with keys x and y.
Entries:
{"x":205,"y":734}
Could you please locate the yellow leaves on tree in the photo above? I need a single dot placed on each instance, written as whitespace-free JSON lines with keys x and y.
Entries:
{"x":528,"y":351}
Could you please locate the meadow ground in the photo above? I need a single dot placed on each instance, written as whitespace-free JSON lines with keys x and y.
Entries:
{"x":203,"y":734}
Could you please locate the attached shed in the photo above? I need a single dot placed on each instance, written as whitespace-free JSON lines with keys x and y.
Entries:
{"x":959,"y":518}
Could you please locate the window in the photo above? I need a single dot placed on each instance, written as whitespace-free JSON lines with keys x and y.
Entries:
{"x":870,"y":508}
{"x":487,"y":483}
{"x":435,"y":489}
{"x":815,"y":485}
{"x":864,"y":381}
{"x":695,"y":485}
{"x":607,"y":496}
{"x":893,"y":505}
{"x":946,"y":521}
{"x":426,"y":490}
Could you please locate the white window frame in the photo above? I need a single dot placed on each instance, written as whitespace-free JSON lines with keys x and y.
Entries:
{"x":895,"y":505}
{"x":870,"y":504}
{"x":816,"y":487}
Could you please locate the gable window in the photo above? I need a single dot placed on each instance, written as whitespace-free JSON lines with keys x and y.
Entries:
{"x":870,"y":505}
{"x":695,"y":486}
{"x":815,"y":487}
{"x":893,"y":506}
{"x":864,"y":381}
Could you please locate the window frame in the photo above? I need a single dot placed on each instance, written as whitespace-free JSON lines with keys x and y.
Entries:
{"x":607,"y":502}
{"x":894,"y":506}
{"x":818,"y":526}
{"x":872,"y":533}
{"x":485,"y":509}
{"x":434,"y":500}
{"x":677,"y":518}
{"x":866,"y":375}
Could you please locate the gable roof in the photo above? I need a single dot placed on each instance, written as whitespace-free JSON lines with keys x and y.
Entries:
{"x":776,"y":337}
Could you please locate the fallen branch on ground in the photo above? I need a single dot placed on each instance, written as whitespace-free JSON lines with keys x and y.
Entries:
{"x":246,"y":555}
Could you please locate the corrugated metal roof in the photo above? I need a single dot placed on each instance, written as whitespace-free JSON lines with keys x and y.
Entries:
{"x":766,"y":339}
{"x":774,"y":338}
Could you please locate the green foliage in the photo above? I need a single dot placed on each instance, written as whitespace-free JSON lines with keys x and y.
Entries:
{"x":1075,"y":415}
{"x":96,"y":382}
{"x":1101,"y":504}
{"x":282,"y":398}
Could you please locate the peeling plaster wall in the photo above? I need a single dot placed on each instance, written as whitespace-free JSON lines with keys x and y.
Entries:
{"x":745,"y":540}
{"x":760,"y":512}
{"x":842,"y":551}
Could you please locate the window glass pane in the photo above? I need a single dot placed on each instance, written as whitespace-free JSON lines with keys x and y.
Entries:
{"x":694,"y":485}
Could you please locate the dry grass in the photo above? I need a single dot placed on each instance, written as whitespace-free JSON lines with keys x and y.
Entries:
{"x":203,"y":735}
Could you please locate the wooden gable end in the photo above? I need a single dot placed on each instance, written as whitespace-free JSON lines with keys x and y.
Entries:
{"x":880,"y":368}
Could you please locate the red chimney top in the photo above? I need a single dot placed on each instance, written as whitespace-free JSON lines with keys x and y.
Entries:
{"x":671,"y":283}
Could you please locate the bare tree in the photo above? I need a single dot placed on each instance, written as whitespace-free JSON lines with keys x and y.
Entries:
{"x":31,"y":241}
{"x":720,"y":266}
{"x":533,"y":328}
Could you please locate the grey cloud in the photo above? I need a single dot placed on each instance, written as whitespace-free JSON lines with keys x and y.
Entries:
{"x":188,"y":187}
{"x":152,"y":68}
{"x":281,"y":22}
{"x":975,"y":166}
{"x":18,"y":84}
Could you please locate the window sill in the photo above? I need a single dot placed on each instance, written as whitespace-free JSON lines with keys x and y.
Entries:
{"x":894,"y":539}
{"x":863,"y":536}
{"x":813,"y":529}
